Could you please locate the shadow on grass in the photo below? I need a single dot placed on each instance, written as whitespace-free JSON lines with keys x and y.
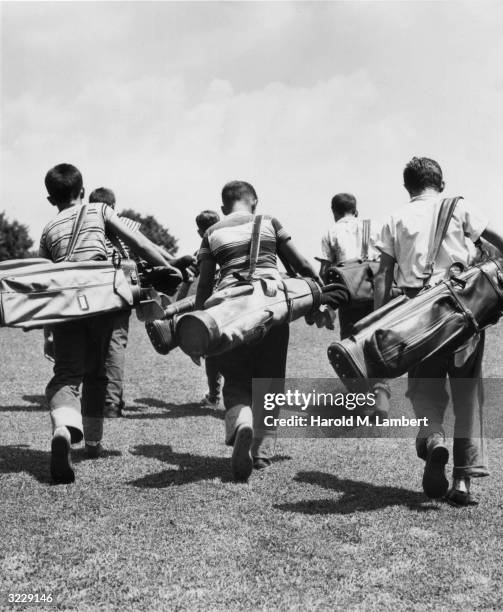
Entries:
{"x":191,"y":468}
{"x":358,"y":496}
{"x":18,"y":458}
{"x":172,"y":411}
{"x":36,"y":402}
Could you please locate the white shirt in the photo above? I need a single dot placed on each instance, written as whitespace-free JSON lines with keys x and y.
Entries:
{"x":406,"y":237}
{"x":343,"y":241}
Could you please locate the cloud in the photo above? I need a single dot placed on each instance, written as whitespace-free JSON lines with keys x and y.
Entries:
{"x":166,"y":103}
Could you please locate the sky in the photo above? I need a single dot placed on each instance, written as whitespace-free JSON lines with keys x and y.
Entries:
{"x":164,"y":102}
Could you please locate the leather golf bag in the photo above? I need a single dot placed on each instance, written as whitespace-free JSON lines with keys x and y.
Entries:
{"x":404,"y":332}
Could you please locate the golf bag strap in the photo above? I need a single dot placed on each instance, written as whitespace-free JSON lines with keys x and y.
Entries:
{"x":255,"y":245}
{"x":365,"y":239}
{"x":77,"y":227}
{"x":445,"y":213}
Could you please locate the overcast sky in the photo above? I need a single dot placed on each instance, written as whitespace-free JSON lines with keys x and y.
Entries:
{"x":165,"y":102}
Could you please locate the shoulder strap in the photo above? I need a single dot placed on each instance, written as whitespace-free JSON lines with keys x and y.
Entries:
{"x":365,"y":239}
{"x":77,"y":227}
{"x":255,"y":245}
{"x":437,"y":236}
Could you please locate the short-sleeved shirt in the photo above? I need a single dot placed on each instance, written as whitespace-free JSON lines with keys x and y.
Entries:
{"x":92,"y":240}
{"x":406,"y":238}
{"x":343,"y":241}
{"x":228,"y":244}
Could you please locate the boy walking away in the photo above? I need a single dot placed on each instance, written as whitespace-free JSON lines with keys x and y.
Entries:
{"x":204,"y":221}
{"x":227,"y":244}
{"x":405,"y":243}
{"x":116,"y":357}
{"x":81,"y":347}
{"x":348,"y":240}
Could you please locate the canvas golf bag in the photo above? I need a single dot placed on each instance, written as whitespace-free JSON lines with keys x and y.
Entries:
{"x":244,"y":311}
{"x":440,"y":319}
{"x":37,"y":292}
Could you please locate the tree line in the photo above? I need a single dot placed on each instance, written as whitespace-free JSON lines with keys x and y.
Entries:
{"x":16,"y":243}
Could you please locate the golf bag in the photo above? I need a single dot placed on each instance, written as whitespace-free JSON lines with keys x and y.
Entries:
{"x":404,"y":332}
{"x":37,"y":292}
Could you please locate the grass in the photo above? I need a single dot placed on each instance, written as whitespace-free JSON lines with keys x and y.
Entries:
{"x":157,"y":523}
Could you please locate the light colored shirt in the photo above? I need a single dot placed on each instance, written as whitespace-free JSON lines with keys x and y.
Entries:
{"x":228,"y":244}
{"x":406,"y":238}
{"x":92,"y":242}
{"x":343,"y":241}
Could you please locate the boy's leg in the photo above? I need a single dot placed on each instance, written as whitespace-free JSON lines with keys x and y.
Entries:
{"x":236,"y":368}
{"x":269,"y":361}
{"x":63,"y":396}
{"x":94,"y":386}
{"x":214,"y":379}
{"x":465,"y":374}
{"x":427,"y":392}
{"x":115,"y":362}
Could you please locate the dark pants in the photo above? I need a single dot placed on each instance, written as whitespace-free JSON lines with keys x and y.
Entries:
{"x":264,"y":359}
{"x":428,"y":394}
{"x":214,"y":377}
{"x":116,"y":360}
{"x":80,"y":351}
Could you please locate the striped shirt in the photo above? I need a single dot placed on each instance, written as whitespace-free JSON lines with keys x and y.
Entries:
{"x":228,"y":244}
{"x":91,"y":244}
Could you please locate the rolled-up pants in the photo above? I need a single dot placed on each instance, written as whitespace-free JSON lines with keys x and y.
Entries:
{"x":80,"y":352}
{"x":263,"y":359}
{"x":428,"y":394}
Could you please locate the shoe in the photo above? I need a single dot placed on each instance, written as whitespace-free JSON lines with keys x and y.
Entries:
{"x":460,"y":498}
{"x":261,"y":463}
{"x":61,"y":458}
{"x":435,"y":483}
{"x":94,"y":451}
{"x":112,"y":412}
{"x":209,"y":402}
{"x":242,"y":462}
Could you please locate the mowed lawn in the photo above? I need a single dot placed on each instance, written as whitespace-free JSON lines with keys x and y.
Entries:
{"x":157,"y":523}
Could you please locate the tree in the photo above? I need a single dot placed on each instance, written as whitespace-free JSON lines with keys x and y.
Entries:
{"x":15,"y":241}
{"x":153,"y":230}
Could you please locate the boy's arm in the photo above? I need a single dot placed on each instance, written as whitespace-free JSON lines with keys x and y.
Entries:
{"x":298,"y":262}
{"x":206,"y":282}
{"x":383,"y":280}
{"x":136,"y":241}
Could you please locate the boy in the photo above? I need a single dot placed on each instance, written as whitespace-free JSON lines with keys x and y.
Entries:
{"x":404,"y":243}
{"x":80,"y":347}
{"x":227,"y":244}
{"x":116,"y":357}
{"x":343,"y":243}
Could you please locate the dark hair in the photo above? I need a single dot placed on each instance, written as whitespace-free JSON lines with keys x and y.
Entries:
{"x":343,"y":203}
{"x":63,"y":182}
{"x":421,"y":173}
{"x":103,"y":194}
{"x":206,"y":219}
{"x":237,"y":190}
